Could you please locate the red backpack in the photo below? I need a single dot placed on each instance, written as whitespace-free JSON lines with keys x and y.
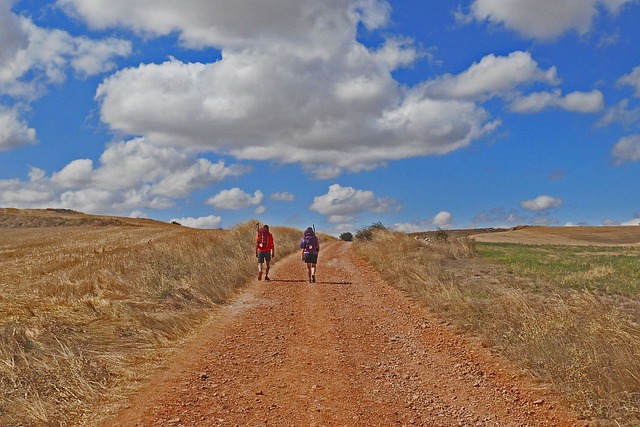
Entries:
{"x":262,"y":242}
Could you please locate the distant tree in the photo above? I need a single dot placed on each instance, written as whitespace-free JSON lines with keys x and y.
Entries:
{"x":346,"y":237}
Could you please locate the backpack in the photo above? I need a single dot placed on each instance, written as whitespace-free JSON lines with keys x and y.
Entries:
{"x":310,"y":241}
{"x":262,"y":242}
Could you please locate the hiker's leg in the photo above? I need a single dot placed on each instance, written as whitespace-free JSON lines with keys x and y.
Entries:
{"x":260,"y":264}
{"x":268,"y":267}
{"x":309,"y":270}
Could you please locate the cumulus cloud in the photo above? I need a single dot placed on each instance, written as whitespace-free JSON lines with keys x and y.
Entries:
{"x":33,"y":57}
{"x":33,"y":193}
{"x":131,"y":175}
{"x":542,"y":19}
{"x":541,"y":203}
{"x":293,"y":85}
{"x":125,"y":165}
{"x":626,"y":150}
{"x":581,"y":102}
{"x":441,"y":220}
{"x":235,"y":199}
{"x":13,"y":131}
{"x":492,"y":76}
{"x":340,"y":204}
{"x":210,"y":221}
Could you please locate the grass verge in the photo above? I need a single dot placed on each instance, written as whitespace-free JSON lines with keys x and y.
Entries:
{"x":583,"y":341}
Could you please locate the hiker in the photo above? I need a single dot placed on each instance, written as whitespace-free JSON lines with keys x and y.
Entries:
{"x":310,"y":248}
{"x":265,"y":250}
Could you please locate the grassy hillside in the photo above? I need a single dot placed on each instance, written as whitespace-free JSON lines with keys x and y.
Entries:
{"x":89,"y":305}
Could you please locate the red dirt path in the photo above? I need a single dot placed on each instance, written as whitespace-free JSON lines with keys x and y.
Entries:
{"x":349,"y":350}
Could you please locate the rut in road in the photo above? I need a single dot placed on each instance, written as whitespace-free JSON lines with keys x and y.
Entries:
{"x":349,"y":350}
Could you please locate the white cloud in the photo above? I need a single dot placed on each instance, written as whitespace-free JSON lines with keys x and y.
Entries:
{"x":411,"y":227}
{"x":282,"y":197}
{"x":295,"y":87}
{"x":91,"y":57}
{"x":210,"y":221}
{"x":634,"y":221}
{"x":34,"y":57}
{"x":12,"y":37}
{"x":620,"y":113}
{"x":131,"y":175}
{"x":31,"y":194}
{"x":492,"y":76}
{"x":14,"y":132}
{"x":542,"y":19}
{"x":632,"y":79}
{"x":627,"y":149}
{"x":235,"y":198}
{"x":541,"y":203}
{"x":443,"y":219}
{"x":581,"y":102}
{"x":76,"y":174}
{"x":340,"y":204}
{"x":169,"y":172}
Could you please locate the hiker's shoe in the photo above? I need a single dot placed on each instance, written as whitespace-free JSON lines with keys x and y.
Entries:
{"x":266,"y":279}
{"x":310,"y":281}
{"x":260,"y":276}
{"x":313,"y":278}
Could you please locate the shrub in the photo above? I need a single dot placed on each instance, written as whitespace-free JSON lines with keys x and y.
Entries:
{"x":366,"y":233}
{"x":346,"y":237}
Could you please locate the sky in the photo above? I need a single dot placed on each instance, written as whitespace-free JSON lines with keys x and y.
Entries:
{"x":417,"y":114}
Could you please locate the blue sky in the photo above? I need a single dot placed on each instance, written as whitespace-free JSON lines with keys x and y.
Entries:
{"x":418,"y":114}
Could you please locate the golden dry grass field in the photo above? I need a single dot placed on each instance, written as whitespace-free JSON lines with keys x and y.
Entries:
{"x":89,"y":305}
{"x":595,"y":236}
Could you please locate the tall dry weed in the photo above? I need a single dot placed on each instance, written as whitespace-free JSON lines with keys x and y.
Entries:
{"x":85,"y":310}
{"x":577,"y":341}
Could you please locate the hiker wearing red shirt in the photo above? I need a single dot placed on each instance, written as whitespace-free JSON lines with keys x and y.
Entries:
{"x":310,"y":248}
{"x":265,"y":250}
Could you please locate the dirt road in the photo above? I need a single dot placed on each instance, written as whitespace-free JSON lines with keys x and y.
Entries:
{"x":347,"y":351}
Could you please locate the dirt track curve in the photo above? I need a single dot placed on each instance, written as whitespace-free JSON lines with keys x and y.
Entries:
{"x":347,"y":351}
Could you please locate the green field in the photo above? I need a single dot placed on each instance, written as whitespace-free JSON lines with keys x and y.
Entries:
{"x":613,"y":269}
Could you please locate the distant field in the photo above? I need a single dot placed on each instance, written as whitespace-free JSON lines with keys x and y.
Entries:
{"x":595,"y":236}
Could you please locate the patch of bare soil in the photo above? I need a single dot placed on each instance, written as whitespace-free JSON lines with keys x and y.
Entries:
{"x":348,"y":350}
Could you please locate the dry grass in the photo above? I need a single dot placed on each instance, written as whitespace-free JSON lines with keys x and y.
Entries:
{"x":583,"y":344}
{"x":94,"y":308}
